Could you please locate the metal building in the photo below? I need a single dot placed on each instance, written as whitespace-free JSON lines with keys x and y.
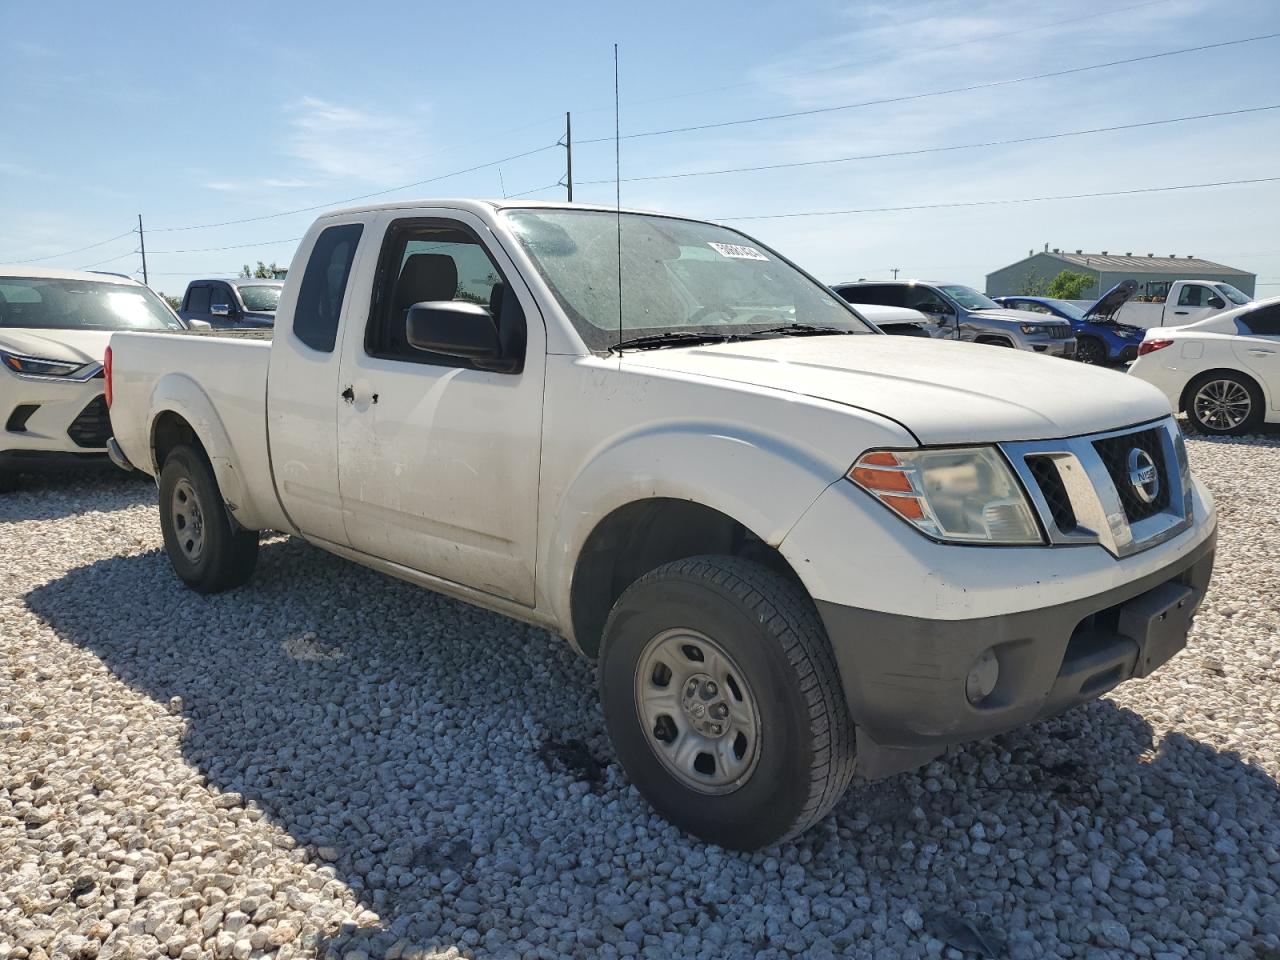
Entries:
{"x":1154,"y":274}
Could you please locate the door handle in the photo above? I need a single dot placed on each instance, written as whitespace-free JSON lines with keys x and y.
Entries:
{"x":1182,"y":313}
{"x":1261,"y":351}
{"x":349,"y":394}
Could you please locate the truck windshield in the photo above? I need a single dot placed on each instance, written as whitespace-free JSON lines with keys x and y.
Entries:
{"x":262,"y":299}
{"x":969,"y":298}
{"x":677,"y":276}
{"x":1238,"y":297}
{"x":45,"y":303}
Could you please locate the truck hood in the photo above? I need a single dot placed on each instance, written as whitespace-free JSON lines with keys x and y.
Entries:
{"x":72,"y":346}
{"x":943,"y":392}
{"x":1015,"y":316}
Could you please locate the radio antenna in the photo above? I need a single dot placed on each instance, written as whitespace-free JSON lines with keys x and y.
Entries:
{"x":617,"y":187}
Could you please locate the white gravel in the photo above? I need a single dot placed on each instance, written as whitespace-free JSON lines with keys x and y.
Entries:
{"x":328,"y":762}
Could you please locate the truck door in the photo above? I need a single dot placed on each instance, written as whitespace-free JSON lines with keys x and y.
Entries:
{"x":1195,"y":302}
{"x":438,"y":456}
{"x":302,"y":385}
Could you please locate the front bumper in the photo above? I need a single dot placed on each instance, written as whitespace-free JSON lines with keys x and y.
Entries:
{"x":48,"y":416}
{"x":904,"y":677}
{"x":1055,"y":348}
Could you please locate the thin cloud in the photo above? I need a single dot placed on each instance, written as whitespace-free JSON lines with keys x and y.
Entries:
{"x":340,"y":142}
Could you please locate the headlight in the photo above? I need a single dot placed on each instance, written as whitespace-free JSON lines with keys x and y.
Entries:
{"x":37,"y":367}
{"x":1032,"y":328}
{"x":965,"y":495}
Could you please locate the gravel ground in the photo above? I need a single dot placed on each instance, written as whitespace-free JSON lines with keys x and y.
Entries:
{"x":328,"y":762}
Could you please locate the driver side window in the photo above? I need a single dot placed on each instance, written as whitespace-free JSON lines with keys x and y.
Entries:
{"x":1194,"y":295}
{"x":922,"y":298}
{"x":435,"y":261}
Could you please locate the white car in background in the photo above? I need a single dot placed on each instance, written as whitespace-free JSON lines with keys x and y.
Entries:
{"x":54,"y":328}
{"x":1223,"y":372}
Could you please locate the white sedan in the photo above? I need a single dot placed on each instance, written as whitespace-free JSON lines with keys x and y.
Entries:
{"x":54,"y":328}
{"x":1223,"y":372}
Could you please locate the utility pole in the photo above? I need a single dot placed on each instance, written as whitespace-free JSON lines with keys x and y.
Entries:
{"x":895,"y":272}
{"x":142,"y":247}
{"x":567,"y":143}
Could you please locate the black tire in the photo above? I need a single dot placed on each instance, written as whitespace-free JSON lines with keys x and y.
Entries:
{"x":1203,"y":419}
{"x":770,"y":628}
{"x":227,"y":553}
{"x":8,"y":481}
{"x":1091,"y":350}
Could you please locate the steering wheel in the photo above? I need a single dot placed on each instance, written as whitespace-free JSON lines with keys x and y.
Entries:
{"x":703,"y":312}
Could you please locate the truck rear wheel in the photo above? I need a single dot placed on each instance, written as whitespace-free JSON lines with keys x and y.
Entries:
{"x":208,"y":552}
{"x":724,"y":703}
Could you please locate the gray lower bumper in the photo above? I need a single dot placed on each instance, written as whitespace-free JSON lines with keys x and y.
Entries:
{"x":117,"y":455}
{"x":904,"y":677}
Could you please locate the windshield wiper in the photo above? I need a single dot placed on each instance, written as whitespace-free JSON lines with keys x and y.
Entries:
{"x":676,"y":338}
{"x":799,"y":330}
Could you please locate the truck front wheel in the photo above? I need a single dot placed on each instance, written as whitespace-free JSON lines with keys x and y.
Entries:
{"x":208,"y":552}
{"x":722,"y":698}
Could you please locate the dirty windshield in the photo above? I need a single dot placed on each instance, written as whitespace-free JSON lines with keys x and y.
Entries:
{"x":678,"y":277}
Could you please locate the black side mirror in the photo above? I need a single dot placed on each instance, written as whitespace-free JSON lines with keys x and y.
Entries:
{"x":1217,"y":303}
{"x":454,"y":328}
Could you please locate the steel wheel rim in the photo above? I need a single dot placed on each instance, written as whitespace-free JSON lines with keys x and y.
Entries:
{"x":188,"y":521}
{"x":697,"y":711}
{"x":1223,"y":404}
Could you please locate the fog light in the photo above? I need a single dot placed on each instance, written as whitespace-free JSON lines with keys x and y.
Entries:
{"x":982,"y":677}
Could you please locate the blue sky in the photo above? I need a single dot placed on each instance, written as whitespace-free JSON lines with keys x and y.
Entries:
{"x":156,"y":108}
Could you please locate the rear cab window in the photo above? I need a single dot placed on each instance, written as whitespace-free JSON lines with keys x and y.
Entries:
{"x":324,"y":285}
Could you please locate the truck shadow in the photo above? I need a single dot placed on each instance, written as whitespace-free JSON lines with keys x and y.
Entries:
{"x":451,"y":765}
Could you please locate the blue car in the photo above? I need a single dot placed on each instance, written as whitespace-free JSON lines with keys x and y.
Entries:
{"x":1099,"y":339}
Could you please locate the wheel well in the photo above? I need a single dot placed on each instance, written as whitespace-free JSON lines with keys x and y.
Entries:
{"x":168,"y":431}
{"x":1217,"y":372}
{"x":642,"y":536}
{"x":995,"y":341}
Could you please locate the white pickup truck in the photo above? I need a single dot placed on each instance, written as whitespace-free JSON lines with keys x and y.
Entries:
{"x":1186,"y":302}
{"x":799,"y":548}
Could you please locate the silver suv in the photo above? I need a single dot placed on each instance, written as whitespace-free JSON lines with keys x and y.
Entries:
{"x":957,"y":312}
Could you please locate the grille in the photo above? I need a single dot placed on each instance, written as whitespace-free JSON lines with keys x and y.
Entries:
{"x":1059,"y":331}
{"x":93,"y":426}
{"x":1114,"y":452}
{"x":1055,"y":492}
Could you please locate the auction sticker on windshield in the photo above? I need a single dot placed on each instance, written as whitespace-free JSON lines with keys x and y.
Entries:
{"x":737,"y":251}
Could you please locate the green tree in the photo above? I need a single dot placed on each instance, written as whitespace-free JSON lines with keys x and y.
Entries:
{"x":264,"y":272}
{"x":174,"y":302}
{"x":1031,"y":285}
{"x":1070,"y":285}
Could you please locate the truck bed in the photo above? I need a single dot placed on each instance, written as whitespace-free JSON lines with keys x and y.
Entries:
{"x":216,"y":377}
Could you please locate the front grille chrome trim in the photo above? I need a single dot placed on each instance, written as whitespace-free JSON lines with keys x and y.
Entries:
{"x":1095,"y":500}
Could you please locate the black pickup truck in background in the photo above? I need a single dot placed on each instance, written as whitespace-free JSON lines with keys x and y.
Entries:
{"x":242,"y":303}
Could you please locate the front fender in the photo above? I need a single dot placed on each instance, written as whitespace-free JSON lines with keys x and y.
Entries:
{"x":762,"y":481}
{"x":179,"y":394}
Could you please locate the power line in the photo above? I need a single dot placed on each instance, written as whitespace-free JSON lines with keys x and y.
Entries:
{"x":990,"y":84}
{"x":993,"y":203}
{"x":234,"y":246}
{"x":363,"y":196}
{"x":99,"y":263}
{"x":549,"y":186}
{"x":67,"y":253}
{"x":925,"y":150}
{"x":851,"y":63}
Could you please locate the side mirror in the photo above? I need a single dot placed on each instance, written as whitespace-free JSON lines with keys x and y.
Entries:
{"x":220,"y":310}
{"x":1217,"y":303}
{"x":199,"y":325}
{"x":454,"y":328}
